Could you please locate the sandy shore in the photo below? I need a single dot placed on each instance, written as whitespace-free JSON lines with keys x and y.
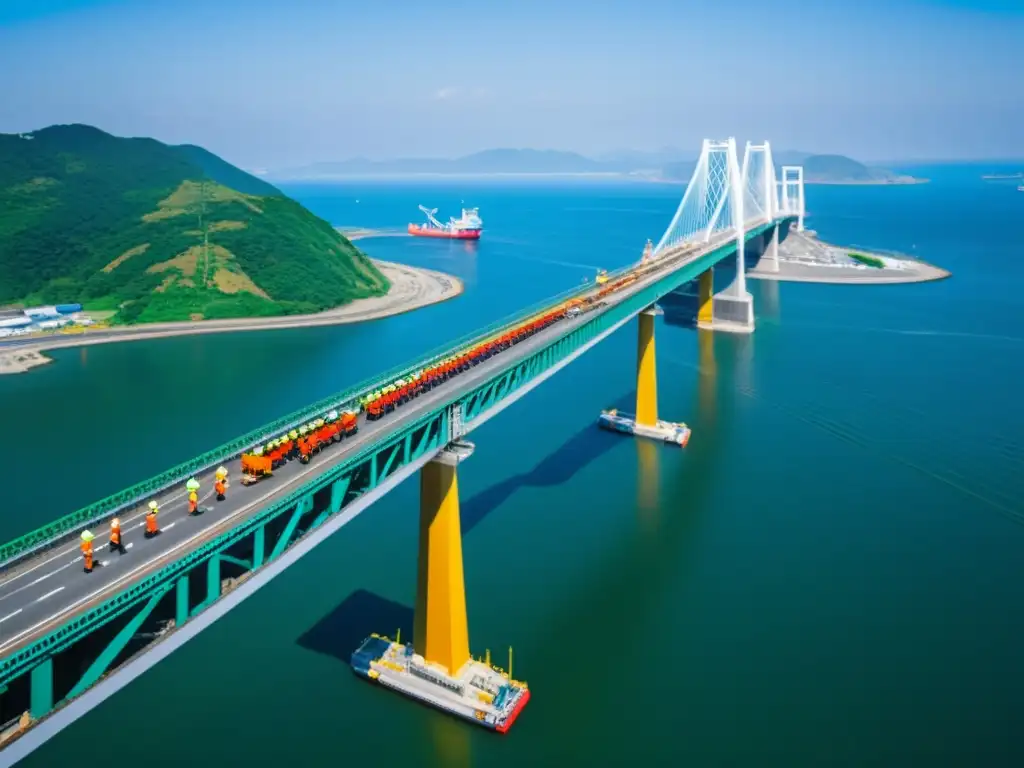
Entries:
{"x":411,"y":288}
{"x":360,"y":233}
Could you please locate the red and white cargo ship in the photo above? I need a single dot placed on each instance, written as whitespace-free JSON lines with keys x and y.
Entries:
{"x":468,"y":227}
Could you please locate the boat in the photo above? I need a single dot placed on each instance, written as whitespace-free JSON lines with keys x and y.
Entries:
{"x":666,"y":431}
{"x":467,"y":227}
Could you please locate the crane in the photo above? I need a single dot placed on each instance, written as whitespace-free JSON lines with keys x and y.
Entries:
{"x":430,"y":216}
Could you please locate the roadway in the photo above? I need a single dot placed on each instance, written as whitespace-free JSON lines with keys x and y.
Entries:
{"x":41,"y":593}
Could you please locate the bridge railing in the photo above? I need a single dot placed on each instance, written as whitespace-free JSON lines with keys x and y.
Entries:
{"x":57,"y":531}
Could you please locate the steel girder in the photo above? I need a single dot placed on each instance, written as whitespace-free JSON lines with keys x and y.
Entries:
{"x":363,"y":472}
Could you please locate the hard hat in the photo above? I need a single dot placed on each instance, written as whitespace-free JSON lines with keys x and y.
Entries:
{"x":152,"y":505}
{"x":293,"y":434}
{"x":332,"y":415}
{"x":257,"y":451}
{"x":115,"y":523}
{"x":222,"y":472}
{"x":87,"y":536}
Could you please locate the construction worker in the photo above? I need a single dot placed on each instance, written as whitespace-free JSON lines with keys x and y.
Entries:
{"x":116,"y":543}
{"x":152,"y":529}
{"x":193,"y":495}
{"x":87,"y":538}
{"x":220,"y":483}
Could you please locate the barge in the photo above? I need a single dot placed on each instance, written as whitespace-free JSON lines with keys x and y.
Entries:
{"x":666,"y":431}
{"x":479,"y":692}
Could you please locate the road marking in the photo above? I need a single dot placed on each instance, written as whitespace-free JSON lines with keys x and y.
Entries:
{"x":33,"y":583}
{"x":51,"y":594}
{"x":311,"y":467}
{"x":11,"y":615}
{"x":168,"y":526}
{"x":169,"y":506}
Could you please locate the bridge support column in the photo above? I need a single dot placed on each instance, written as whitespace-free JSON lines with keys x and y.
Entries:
{"x":441,"y":630}
{"x":646,"y":371}
{"x":732,"y":309}
{"x":770,"y":258}
{"x":705,"y":297}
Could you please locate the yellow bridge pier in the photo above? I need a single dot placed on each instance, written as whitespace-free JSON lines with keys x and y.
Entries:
{"x":705,"y":299}
{"x":441,"y":630}
{"x":645,"y":422}
{"x":646,"y":371}
{"x":436,"y":668}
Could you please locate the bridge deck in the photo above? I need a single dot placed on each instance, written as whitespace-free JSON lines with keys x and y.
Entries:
{"x":41,"y":593}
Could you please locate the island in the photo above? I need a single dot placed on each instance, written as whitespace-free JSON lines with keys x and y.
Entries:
{"x":142,"y":239}
{"x":804,"y":258}
{"x":839,"y":169}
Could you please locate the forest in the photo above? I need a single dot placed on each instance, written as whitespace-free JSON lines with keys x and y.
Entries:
{"x":154,"y":232}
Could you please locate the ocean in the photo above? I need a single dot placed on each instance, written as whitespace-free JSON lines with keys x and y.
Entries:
{"x":829,"y":574}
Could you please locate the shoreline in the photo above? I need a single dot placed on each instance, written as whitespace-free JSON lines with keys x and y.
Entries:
{"x":365,"y":233}
{"x":411,"y":288}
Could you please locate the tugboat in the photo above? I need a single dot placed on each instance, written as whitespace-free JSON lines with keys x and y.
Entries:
{"x":468,"y":227}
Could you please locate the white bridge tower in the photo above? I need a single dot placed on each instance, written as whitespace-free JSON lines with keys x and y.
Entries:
{"x":724,"y":200}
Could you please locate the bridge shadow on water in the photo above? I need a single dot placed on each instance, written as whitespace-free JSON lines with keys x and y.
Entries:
{"x":558,"y":467}
{"x":350,"y":622}
{"x":341,"y":630}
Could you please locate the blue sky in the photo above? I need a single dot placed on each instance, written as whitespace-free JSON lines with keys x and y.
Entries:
{"x":270,"y":83}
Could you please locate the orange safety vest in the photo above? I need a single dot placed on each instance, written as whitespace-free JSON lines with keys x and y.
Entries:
{"x":219,"y":487}
{"x":115,"y":535}
{"x":150,"y":522}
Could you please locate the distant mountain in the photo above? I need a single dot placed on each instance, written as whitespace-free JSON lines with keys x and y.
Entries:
{"x":633,"y":159}
{"x":666,"y":164}
{"x":156,"y":232}
{"x":838,"y":169}
{"x":790,"y":157}
{"x":818,"y":169}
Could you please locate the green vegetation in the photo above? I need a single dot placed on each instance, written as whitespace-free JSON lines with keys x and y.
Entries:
{"x":161,"y":233}
{"x":871,"y":261}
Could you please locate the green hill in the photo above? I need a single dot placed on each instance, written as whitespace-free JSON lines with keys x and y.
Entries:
{"x":161,"y":233}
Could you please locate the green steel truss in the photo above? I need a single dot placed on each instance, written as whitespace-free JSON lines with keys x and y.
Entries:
{"x":271,"y":531}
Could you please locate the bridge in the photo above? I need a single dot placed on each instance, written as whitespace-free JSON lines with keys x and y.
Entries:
{"x":69,"y":639}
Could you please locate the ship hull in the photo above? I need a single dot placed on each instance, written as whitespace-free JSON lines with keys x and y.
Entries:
{"x":446,"y":234}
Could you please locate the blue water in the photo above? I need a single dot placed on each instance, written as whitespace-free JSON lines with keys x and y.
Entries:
{"x":830,"y":573}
